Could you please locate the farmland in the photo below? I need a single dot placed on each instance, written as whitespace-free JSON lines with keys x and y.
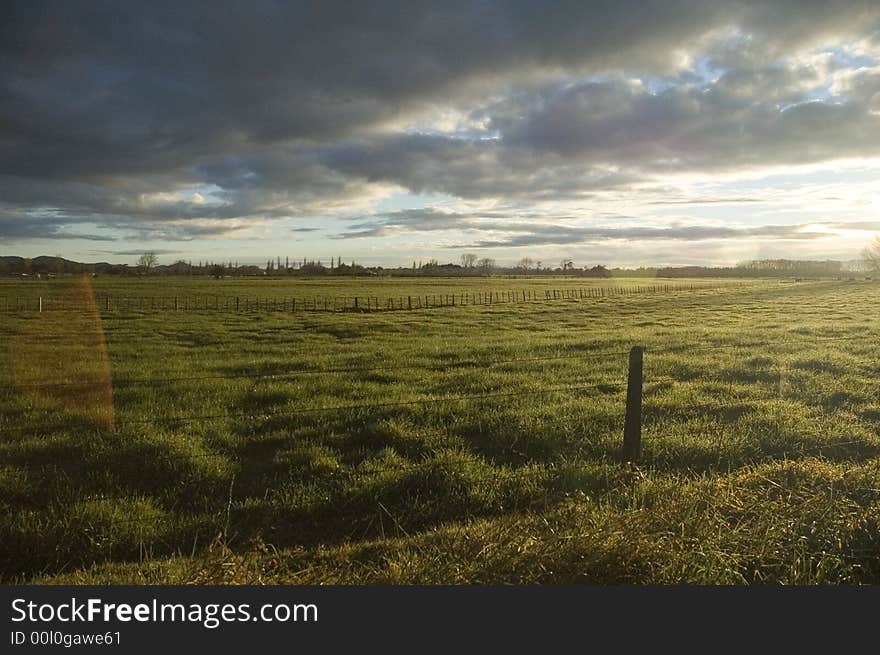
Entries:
{"x":475,"y":443}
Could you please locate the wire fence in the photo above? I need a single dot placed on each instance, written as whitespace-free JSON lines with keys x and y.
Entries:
{"x":364,"y":303}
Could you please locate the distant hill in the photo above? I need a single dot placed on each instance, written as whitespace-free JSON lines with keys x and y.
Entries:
{"x":10,"y":265}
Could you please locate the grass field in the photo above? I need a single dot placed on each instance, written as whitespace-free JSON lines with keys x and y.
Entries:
{"x":474,"y":444}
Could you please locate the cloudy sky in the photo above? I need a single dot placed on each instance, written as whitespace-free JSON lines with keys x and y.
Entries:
{"x":618,"y":132}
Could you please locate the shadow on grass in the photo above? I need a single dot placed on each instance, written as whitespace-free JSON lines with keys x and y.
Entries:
{"x":384,"y":498}
{"x":699,"y":457}
{"x":655,"y":416}
{"x":818,"y":366}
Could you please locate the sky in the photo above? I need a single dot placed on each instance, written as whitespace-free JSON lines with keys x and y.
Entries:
{"x":619,"y":133}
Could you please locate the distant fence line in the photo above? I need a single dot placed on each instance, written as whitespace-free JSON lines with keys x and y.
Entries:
{"x":338,"y":303}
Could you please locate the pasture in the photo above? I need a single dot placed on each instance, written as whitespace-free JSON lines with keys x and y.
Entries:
{"x":475,"y":443}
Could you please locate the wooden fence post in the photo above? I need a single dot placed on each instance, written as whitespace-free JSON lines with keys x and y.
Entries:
{"x":632,"y":427}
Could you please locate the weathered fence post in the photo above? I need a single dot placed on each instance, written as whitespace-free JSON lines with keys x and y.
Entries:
{"x":632,"y":427}
{"x":41,"y":304}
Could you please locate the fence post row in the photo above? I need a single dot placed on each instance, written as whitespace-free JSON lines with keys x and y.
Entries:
{"x":421,"y":302}
{"x":632,"y":426}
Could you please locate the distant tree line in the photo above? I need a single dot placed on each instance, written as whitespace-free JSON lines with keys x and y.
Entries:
{"x":871,"y":257}
{"x":469,"y":265}
{"x":772,"y":268}
{"x":148,"y":264}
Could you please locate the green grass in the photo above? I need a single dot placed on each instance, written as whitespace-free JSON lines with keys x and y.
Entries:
{"x":473,"y":444}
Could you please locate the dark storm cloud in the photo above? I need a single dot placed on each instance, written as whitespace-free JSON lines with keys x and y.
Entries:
{"x":570,"y":140}
{"x":470,"y":168}
{"x":296,"y":108}
{"x":110,"y":89}
{"x":523,"y":230}
{"x":564,"y":235}
{"x":430,"y":219}
{"x":173,"y":231}
{"x":19,"y":228}
{"x":688,"y":127}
